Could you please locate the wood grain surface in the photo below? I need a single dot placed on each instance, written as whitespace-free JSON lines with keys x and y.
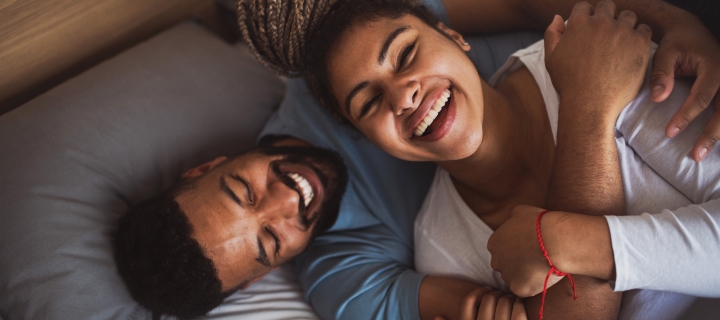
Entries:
{"x":44,"y":42}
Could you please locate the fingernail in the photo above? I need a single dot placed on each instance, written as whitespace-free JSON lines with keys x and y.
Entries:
{"x":658,"y":89}
{"x":674,"y":131}
{"x":702,"y":153}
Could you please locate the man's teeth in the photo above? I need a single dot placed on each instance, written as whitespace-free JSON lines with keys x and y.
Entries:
{"x":433,"y":113}
{"x":304,"y":186}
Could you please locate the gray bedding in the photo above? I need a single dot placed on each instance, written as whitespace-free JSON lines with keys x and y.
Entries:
{"x":73,"y":159}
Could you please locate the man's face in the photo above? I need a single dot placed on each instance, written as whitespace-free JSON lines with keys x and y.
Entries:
{"x":257,"y":211}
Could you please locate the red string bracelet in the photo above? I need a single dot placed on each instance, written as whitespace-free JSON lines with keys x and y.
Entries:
{"x":552,"y":267}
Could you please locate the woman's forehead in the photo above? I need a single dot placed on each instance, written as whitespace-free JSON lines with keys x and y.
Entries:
{"x":380,"y":25}
{"x":360,"y":51}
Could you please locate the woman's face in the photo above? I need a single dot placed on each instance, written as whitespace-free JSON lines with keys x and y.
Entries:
{"x":410,"y":89}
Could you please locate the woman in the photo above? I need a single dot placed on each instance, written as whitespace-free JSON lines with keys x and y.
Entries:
{"x":366,"y":76}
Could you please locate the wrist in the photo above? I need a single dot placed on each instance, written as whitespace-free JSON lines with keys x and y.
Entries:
{"x":674,"y":19}
{"x":554,"y":237}
{"x":578,"y":244}
{"x":593,"y":114}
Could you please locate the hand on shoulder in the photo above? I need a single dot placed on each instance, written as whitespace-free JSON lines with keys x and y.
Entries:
{"x":596,"y":62}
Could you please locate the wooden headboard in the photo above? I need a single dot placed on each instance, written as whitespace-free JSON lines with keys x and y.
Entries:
{"x":43,"y":43}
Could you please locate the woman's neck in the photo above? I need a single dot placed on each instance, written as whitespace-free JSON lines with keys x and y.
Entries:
{"x":514,"y":160}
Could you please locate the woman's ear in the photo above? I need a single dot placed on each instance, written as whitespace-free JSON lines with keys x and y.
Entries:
{"x":201,"y":169}
{"x":455,"y":36}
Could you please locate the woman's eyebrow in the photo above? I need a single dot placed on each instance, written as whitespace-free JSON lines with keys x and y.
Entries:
{"x":391,"y":37}
{"x":352,"y":95}
{"x":381,"y":59}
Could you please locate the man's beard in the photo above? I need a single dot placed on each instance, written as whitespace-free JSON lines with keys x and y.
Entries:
{"x":330,"y":170}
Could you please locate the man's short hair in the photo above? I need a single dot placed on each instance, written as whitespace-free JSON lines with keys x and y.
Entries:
{"x":163,"y":266}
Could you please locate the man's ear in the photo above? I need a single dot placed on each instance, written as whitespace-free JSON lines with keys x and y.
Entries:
{"x":455,"y":36}
{"x":201,"y":169}
{"x":257,"y":279}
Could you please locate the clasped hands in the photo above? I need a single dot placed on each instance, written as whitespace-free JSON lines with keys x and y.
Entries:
{"x":597,"y":62}
{"x":608,"y":54}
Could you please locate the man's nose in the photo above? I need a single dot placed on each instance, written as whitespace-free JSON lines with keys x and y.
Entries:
{"x":280,"y":202}
{"x":405,"y":96}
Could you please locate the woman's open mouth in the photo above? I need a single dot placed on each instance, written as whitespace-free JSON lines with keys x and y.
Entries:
{"x":427,"y":125}
{"x":438,"y":119}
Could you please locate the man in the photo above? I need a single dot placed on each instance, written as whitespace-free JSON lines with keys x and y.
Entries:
{"x":230,"y":222}
{"x":377,"y":277}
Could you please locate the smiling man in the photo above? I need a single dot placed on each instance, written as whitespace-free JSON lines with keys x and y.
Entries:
{"x":226,"y":225}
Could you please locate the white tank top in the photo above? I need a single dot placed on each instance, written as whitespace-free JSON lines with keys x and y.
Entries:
{"x":450,"y":240}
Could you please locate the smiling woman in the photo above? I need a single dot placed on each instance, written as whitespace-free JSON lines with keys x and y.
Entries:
{"x":421,"y":75}
{"x":404,"y":80}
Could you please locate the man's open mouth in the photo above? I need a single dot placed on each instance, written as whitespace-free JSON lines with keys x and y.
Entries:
{"x":304,"y":188}
{"x":436,"y":112}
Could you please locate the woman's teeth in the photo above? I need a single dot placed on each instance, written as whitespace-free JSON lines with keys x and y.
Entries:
{"x":433,"y":113}
{"x":304,"y":186}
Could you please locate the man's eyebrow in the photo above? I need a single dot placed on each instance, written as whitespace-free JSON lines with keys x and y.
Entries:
{"x":227,"y":191}
{"x":352,"y":95}
{"x":262,"y":255}
{"x":391,"y":37}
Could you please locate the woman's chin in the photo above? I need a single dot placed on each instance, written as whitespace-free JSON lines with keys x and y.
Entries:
{"x":440,"y":153}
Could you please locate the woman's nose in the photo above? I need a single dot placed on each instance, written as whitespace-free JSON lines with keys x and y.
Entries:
{"x":405,"y":96}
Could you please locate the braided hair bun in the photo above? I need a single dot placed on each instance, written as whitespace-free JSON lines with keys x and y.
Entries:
{"x":276,"y":30}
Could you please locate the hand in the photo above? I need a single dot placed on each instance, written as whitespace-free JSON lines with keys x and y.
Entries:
{"x":689,"y":49}
{"x":516,"y":253}
{"x":496,"y":305}
{"x":596,"y":61}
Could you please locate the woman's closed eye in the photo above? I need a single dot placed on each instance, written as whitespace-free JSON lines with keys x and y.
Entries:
{"x":401,"y":61}
{"x":366,"y":107}
{"x":402,"y":58}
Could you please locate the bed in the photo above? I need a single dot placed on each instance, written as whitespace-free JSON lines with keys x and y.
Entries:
{"x":75,"y":157}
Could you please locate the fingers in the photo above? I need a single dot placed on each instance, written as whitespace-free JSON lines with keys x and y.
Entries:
{"x":487,"y":305}
{"x":581,"y":8}
{"x":499,"y":305}
{"x":701,"y":95}
{"x":709,"y":137}
{"x":606,"y":8}
{"x":504,"y":307}
{"x":627,"y":18}
{"x":518,"y":311}
{"x":645,"y":30}
{"x":471,"y":302}
{"x":662,"y":79}
{"x":553,"y":33}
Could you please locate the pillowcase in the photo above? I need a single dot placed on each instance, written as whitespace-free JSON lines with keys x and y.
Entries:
{"x":75,"y":158}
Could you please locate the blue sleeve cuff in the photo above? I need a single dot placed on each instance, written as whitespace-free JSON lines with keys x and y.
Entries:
{"x":409,"y":294}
